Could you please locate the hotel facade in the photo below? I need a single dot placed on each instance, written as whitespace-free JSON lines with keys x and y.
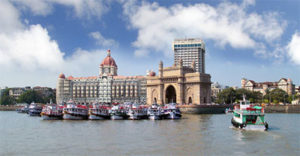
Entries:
{"x":107,"y":87}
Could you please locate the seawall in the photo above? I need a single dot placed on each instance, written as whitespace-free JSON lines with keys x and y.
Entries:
{"x":282,"y":109}
{"x":9,"y":107}
{"x":202,"y":109}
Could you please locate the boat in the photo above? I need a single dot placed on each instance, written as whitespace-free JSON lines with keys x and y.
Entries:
{"x":75,"y":112}
{"x":118,"y":112}
{"x":154,"y":112}
{"x":52,"y":112}
{"x":171,"y":111}
{"x":249,"y":117}
{"x":24,"y":109}
{"x":99,"y":111}
{"x":228,"y":110}
{"x":34,"y":109}
{"x":136,"y":112}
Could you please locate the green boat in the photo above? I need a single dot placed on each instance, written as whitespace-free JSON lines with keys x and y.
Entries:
{"x":249,"y":117}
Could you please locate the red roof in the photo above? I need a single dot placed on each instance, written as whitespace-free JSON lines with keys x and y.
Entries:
{"x":128,"y":77}
{"x":81,"y":78}
{"x":108,"y":60}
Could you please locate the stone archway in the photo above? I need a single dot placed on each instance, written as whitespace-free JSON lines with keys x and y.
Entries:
{"x":190,"y":100}
{"x":170,"y":94}
{"x":154,"y":96}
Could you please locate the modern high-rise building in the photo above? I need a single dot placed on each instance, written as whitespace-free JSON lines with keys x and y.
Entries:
{"x":190,"y":50}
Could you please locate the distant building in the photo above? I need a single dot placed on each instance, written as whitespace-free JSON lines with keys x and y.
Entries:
{"x":44,"y":91}
{"x":215,"y":89}
{"x":297,"y":90}
{"x":107,"y":87}
{"x":284,"y":84}
{"x":190,"y":50}
{"x":17,"y":91}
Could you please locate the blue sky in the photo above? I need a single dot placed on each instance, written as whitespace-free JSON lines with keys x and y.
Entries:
{"x":39,"y":39}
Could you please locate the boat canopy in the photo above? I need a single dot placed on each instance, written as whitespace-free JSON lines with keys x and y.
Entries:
{"x":257,"y":107}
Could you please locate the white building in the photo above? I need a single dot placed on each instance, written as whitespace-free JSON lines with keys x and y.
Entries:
{"x":107,"y":87}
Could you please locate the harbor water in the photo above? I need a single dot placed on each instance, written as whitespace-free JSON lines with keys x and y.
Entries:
{"x":191,"y":135}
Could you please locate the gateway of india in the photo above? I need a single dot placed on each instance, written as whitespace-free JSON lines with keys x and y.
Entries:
{"x":184,"y":83}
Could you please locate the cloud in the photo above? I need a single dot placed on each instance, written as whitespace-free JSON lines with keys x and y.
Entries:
{"x":100,"y":40}
{"x":37,"y":7}
{"x":30,"y":49}
{"x":9,"y":17}
{"x":82,"y":8}
{"x":226,"y":24}
{"x":81,"y":60}
{"x":294,"y":48}
{"x":28,"y":55}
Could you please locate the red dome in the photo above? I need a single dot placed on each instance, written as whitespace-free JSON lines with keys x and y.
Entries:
{"x":152,"y":73}
{"x":61,"y":75}
{"x":108,"y":61}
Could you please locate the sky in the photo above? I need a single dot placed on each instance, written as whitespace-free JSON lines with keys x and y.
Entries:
{"x":39,"y":39}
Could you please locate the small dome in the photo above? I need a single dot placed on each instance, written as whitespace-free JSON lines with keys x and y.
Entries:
{"x":108,"y":60}
{"x":152,"y":73}
{"x":62,"y":76}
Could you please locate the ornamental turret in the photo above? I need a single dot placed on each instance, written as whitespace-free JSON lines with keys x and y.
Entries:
{"x":108,"y":67}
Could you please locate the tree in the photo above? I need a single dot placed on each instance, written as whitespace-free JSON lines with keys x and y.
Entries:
{"x":227,"y":95}
{"x":277,"y":95}
{"x":230,"y":95}
{"x":30,"y":96}
{"x":6,"y":99}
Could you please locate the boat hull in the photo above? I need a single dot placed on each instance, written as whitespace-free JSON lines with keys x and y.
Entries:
{"x":52,"y":117}
{"x":34,"y":113}
{"x":137,"y":117}
{"x":171,"y":115}
{"x":74,"y":117}
{"x":95,"y":117}
{"x":248,"y":126}
{"x":117,"y":117}
{"x":154,"y":117}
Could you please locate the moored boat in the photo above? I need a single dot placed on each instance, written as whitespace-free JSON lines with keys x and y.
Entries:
{"x":75,"y":112}
{"x":99,"y":112}
{"x":24,"y":109}
{"x":118,"y":112}
{"x":249,"y":117}
{"x":170,"y":111}
{"x":52,"y":112}
{"x":137,"y":112}
{"x":34,"y":109}
{"x":154,"y":112}
{"x":228,"y":110}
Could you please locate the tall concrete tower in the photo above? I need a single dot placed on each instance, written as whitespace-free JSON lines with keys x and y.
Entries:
{"x":190,"y":50}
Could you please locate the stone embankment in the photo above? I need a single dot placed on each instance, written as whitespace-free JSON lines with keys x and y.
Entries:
{"x":9,"y":107}
{"x":203,"y":109}
{"x":282,"y":109}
